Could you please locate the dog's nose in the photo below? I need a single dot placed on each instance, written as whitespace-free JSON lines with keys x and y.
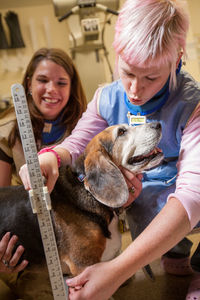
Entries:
{"x":155,"y":125}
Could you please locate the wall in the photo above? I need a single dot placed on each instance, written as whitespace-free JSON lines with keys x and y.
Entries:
{"x":193,"y":41}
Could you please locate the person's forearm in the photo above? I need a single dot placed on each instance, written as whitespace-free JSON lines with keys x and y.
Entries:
{"x":165,"y":231}
{"x":64,"y":155}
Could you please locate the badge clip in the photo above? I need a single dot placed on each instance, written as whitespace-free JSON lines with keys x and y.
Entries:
{"x":135,"y":120}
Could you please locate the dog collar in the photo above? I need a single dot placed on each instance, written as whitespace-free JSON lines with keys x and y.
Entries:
{"x":81,"y":177}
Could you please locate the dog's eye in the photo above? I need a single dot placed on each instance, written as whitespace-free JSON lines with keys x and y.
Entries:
{"x":121,"y":131}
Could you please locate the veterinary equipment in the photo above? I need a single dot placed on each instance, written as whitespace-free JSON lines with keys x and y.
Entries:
{"x":39,"y":196}
{"x":87,"y":20}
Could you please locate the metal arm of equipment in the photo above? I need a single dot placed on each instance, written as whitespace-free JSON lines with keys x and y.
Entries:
{"x":69,"y":13}
{"x":106,"y":9}
{"x":76,"y":8}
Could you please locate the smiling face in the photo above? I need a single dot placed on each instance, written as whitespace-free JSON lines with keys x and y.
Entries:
{"x":50,"y":87}
{"x":142,"y":83}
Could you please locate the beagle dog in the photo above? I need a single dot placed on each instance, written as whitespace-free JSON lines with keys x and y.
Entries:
{"x":83,"y":213}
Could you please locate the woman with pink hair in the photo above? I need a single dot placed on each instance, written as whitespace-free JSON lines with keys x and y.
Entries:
{"x":149,"y":42}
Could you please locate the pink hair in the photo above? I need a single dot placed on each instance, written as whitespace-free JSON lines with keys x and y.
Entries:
{"x":152,"y":32}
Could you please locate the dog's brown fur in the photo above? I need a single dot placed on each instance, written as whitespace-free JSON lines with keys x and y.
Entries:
{"x":80,"y":221}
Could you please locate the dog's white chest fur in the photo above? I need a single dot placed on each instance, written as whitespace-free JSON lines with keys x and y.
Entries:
{"x":113,"y":245}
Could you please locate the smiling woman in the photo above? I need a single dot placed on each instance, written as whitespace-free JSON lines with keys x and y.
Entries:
{"x":56,"y":101}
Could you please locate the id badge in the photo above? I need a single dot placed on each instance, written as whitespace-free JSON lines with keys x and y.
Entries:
{"x":135,"y":120}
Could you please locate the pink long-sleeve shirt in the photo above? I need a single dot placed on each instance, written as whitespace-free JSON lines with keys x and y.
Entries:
{"x":188,"y":178}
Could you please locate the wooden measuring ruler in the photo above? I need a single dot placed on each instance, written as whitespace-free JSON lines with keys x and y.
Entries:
{"x":39,"y":196}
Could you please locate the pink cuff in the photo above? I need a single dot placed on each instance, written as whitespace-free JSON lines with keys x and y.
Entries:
{"x":50,"y":149}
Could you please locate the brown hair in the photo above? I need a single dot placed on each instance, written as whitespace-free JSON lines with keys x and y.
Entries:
{"x":77,"y":102}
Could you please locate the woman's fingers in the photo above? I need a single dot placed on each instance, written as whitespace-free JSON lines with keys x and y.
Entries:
{"x":8,"y":261}
{"x":3,"y":244}
{"x":23,"y":172}
{"x":134,"y":185}
{"x":16,"y":256}
{"x":49,"y":169}
{"x":10,"y":246}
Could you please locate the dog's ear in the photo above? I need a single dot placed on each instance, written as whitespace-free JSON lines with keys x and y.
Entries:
{"x":104,"y":179}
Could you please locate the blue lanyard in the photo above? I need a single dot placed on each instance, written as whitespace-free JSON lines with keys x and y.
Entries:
{"x":55,"y":132}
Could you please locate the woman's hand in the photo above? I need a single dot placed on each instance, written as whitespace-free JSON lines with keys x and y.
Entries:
{"x":98,"y":282}
{"x":49,"y":169}
{"x":8,"y":261}
{"x":134,"y":183}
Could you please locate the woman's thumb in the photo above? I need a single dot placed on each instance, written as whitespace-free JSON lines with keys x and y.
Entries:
{"x":76,"y":282}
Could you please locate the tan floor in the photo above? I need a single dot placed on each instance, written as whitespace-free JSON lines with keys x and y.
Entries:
{"x":165,"y":286}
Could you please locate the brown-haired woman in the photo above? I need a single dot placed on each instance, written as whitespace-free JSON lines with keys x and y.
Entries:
{"x":56,"y":101}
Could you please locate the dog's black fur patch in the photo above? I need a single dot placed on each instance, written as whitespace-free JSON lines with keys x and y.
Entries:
{"x":17,"y":217}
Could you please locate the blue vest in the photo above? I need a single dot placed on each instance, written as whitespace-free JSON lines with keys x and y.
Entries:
{"x":159,"y":182}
